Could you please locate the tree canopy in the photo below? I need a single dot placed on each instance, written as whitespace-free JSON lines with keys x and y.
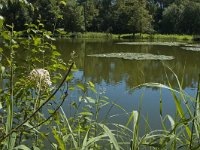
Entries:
{"x":114,"y":16}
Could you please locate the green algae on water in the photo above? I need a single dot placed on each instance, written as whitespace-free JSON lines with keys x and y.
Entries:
{"x":134,"y":56}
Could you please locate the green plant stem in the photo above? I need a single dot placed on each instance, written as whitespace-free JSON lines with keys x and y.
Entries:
{"x":39,"y":108}
{"x":195,"y":111}
{"x":11,"y":100}
{"x":37,"y":101}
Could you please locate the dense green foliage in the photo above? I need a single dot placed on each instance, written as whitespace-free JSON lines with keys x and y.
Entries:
{"x":33,"y":117}
{"x":31,"y":110}
{"x":112,"y":16}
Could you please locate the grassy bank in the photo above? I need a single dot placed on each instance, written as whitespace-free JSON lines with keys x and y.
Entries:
{"x":91,"y":35}
{"x":169,"y":37}
{"x":158,"y":36}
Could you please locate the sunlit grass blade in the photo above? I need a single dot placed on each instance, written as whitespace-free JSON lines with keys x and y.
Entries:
{"x":61,"y":144}
{"x":180,"y":111}
{"x":92,"y":141}
{"x":110,"y":135}
{"x":135,"y":139}
{"x":182,"y":93}
{"x":70,"y":129}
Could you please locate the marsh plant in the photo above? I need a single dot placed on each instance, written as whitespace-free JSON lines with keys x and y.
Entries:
{"x":33,"y":90}
{"x":27,"y":88}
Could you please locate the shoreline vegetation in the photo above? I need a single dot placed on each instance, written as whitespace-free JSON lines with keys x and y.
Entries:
{"x":137,"y":36}
{"x":28,"y":106}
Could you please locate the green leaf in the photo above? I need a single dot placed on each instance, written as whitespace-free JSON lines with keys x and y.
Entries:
{"x":1,"y":22}
{"x":85,"y":141}
{"x":30,"y":126}
{"x":36,"y":148}
{"x":12,"y":141}
{"x":37,"y":41}
{"x":61,"y":144}
{"x":69,"y":77}
{"x":171,"y":120}
{"x":93,"y":89}
{"x":50,"y":38}
{"x":63,"y":3}
{"x":86,"y":113}
{"x":91,"y":84}
{"x":81,"y":86}
{"x":92,"y":140}
{"x":110,"y":135}
{"x":50,"y":111}
{"x":55,"y":53}
{"x":1,"y":105}
{"x":3,"y":70}
{"x":90,"y":100}
{"x":53,"y":47}
{"x":15,"y":46}
{"x":6,"y":35}
{"x":22,"y":147}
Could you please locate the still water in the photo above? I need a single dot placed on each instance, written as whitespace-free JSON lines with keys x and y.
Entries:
{"x":119,"y":76}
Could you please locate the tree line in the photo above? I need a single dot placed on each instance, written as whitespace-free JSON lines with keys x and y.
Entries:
{"x":112,"y":16}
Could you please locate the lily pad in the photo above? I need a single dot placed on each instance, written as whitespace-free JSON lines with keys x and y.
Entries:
{"x":197,"y":49}
{"x":192,"y":45}
{"x":134,"y":56}
{"x":154,"y":43}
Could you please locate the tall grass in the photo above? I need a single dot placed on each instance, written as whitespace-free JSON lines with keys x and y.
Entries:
{"x":169,"y":37}
{"x":87,"y":132}
{"x":91,"y":35}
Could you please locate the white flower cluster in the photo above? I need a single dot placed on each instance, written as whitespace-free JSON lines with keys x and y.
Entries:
{"x":41,"y":77}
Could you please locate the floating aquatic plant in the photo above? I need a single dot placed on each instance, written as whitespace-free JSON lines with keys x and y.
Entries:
{"x":153,"y":43}
{"x":132,"y":56}
{"x":191,"y":48}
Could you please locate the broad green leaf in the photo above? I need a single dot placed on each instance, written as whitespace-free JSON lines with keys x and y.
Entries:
{"x":110,"y":135}
{"x":63,"y":3}
{"x":15,"y":46}
{"x":81,"y":86}
{"x":69,"y":77}
{"x":3,"y":69}
{"x":30,"y":126}
{"x":53,"y":47}
{"x":50,"y":38}
{"x":6,"y":35}
{"x":22,"y":147}
{"x":90,"y":100}
{"x":86,"y":113}
{"x":55,"y":53}
{"x":36,"y":148}
{"x":50,"y":111}
{"x":93,"y":89}
{"x":37,"y":41}
{"x":92,"y":140}
{"x":61,"y":144}
{"x":85,"y":141}
{"x":91,"y":84}
{"x":41,"y":24}
{"x":12,"y":140}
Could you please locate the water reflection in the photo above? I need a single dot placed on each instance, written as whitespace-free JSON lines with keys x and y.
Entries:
{"x":114,"y":70}
{"x":119,"y":76}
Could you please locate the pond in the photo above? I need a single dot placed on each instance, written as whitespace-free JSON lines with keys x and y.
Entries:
{"x":119,"y":76}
